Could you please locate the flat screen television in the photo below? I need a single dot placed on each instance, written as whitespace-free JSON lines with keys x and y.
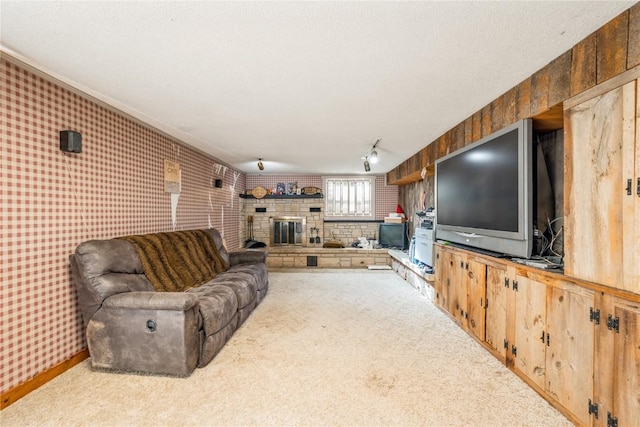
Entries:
{"x":393,"y":236}
{"x":484,"y":196}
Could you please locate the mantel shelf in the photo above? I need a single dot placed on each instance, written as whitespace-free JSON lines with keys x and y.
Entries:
{"x":284,"y":196}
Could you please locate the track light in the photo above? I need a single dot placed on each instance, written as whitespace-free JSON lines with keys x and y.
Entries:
{"x":371,"y":157}
{"x":260,"y":165}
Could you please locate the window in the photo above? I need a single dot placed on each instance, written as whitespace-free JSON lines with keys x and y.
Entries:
{"x":349,"y":197}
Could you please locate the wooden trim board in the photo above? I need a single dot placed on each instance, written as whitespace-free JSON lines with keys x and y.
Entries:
{"x":604,"y":87}
{"x":39,"y":380}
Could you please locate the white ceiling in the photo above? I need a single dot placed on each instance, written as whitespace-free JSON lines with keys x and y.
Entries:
{"x":307,"y":86}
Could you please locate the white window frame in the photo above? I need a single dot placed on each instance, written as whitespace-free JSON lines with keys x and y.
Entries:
{"x":353,"y":208}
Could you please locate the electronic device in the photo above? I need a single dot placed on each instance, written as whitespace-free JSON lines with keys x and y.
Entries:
{"x":70,"y":141}
{"x":393,"y":236}
{"x":423,"y":246}
{"x":484,"y":193}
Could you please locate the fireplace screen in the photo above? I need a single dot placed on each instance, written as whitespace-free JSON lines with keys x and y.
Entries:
{"x":288,"y":230}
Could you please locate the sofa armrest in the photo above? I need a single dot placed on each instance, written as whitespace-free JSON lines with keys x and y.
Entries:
{"x":247,"y":257}
{"x":176,"y":301}
{"x":155,"y":332}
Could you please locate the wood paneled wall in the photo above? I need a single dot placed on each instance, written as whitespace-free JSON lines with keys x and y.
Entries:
{"x":611,"y":50}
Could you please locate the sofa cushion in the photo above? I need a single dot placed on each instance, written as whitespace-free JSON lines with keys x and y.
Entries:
{"x":245,"y":290}
{"x":257,"y":272}
{"x":98,"y":257}
{"x":219,"y":243}
{"x":218,"y":305}
{"x":102,"y":268}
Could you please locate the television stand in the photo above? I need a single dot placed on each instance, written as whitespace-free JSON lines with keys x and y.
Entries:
{"x":473,"y":249}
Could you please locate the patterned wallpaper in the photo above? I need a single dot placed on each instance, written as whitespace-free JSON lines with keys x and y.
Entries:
{"x":386,"y":195}
{"x":52,"y":201}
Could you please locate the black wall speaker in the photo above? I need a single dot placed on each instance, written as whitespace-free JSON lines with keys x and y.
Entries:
{"x":218,"y":183}
{"x":70,"y":141}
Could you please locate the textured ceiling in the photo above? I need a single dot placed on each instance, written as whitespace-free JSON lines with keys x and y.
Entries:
{"x":307,"y":86}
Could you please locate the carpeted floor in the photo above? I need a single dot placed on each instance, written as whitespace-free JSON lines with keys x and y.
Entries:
{"x":329,"y":347}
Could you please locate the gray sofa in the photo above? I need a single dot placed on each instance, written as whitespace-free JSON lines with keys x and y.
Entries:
{"x":130,"y":326}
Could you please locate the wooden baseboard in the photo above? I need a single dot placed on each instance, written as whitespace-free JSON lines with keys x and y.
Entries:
{"x":23,"y":389}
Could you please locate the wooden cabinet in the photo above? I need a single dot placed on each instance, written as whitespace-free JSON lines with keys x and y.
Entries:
{"x":458,"y":288}
{"x":602,"y":187}
{"x":497,"y":288}
{"x":569,"y":353}
{"x":461,"y":288}
{"x":617,"y":362}
{"x":538,"y":324}
{"x":575,"y":338}
{"x":528,"y":345}
{"x":550,"y":337}
{"x":443,"y":265}
{"x":553,"y":338}
{"x":476,"y":284}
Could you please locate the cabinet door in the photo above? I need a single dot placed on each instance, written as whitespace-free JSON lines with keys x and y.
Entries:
{"x":631,"y":206}
{"x":570,"y":339}
{"x":617,"y":362}
{"x":476,"y":275}
{"x":626,"y":367}
{"x":529,"y":347}
{"x":458,"y":289}
{"x":599,"y":147}
{"x":496,"y":310}
{"x":442,"y":271}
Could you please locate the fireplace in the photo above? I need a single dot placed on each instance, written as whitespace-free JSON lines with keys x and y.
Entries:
{"x":288,"y":230}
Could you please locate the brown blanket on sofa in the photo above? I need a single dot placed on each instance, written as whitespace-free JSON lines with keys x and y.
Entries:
{"x":179,"y":260}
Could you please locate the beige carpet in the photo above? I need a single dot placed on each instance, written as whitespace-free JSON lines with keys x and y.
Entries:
{"x":328,"y":347}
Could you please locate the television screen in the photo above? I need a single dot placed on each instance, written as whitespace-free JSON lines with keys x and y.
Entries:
{"x":393,"y":236}
{"x":484,"y":193}
{"x":479,"y":187}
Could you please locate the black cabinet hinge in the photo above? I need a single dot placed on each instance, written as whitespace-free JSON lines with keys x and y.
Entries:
{"x":611,"y":420}
{"x":593,"y":409}
{"x":638,"y":188}
{"x":515,"y":285}
{"x":547,"y":336}
{"x":594,"y":315}
{"x":613,"y":323}
{"x":514,"y":350}
{"x":506,"y":282}
{"x":506,"y":344}
{"x":628,"y":189}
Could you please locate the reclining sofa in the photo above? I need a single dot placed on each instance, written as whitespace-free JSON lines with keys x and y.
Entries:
{"x":164,"y":303}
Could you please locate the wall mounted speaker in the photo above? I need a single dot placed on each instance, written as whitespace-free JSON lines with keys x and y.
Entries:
{"x":70,"y":141}
{"x":218,"y":183}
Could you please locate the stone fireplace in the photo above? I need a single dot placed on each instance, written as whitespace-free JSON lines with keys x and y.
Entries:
{"x":264,"y":211}
{"x":288,"y":231}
